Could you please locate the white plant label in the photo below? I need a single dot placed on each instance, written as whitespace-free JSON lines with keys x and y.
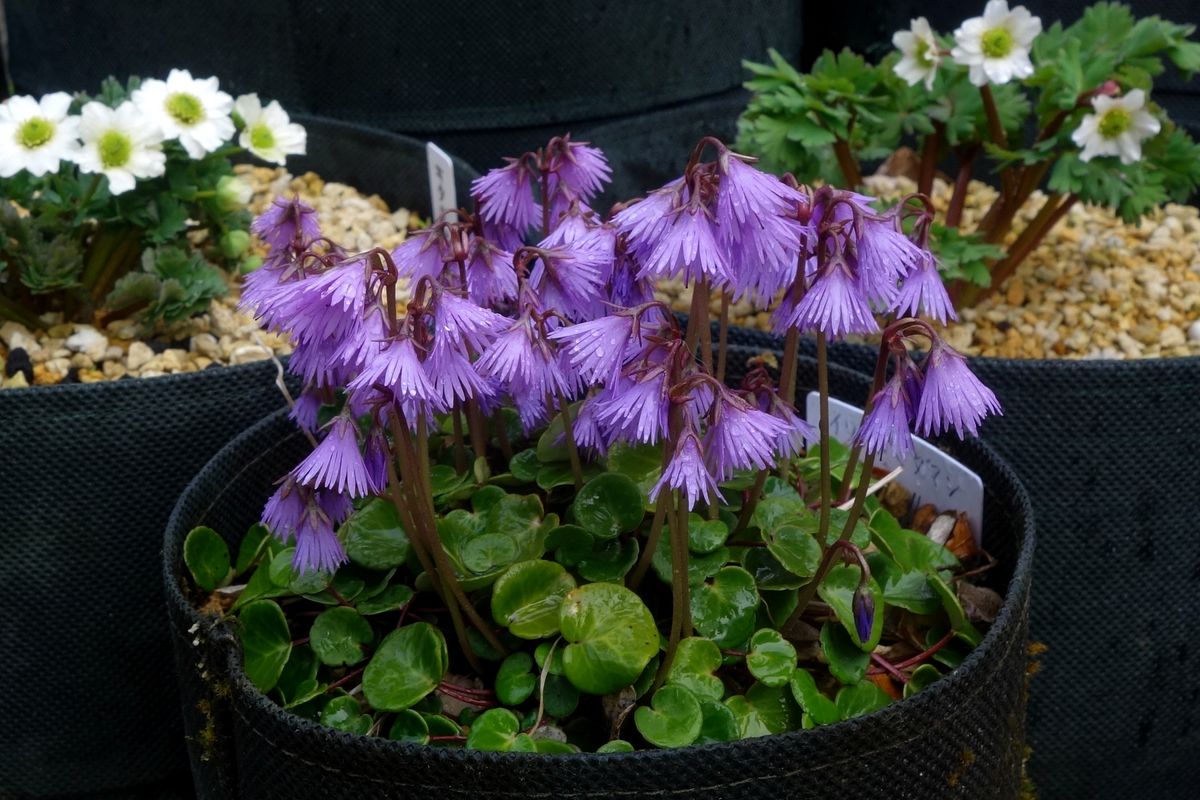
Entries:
{"x":930,"y":474}
{"x":442,"y":197}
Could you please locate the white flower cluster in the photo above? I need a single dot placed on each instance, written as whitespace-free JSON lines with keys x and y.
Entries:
{"x":126,"y":143}
{"x":995,"y":49}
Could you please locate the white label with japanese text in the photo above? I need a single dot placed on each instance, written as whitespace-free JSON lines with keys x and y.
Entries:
{"x":442,"y":197}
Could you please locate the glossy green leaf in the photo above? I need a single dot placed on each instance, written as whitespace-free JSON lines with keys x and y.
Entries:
{"x":488,"y":553}
{"x":611,"y":637}
{"x":207,"y":558}
{"x":642,"y":463}
{"x":408,"y":665}
{"x":526,"y":599}
{"x":771,"y":658}
{"x":561,"y":696}
{"x":763,"y":710}
{"x":906,"y":589}
{"x":338,"y":636}
{"x":609,"y":561}
{"x":266,"y":642}
{"x":524,"y":466}
{"x":922,"y":677}
{"x":796,"y":549}
{"x":609,"y":505}
{"x":673,"y":718}
{"x":374,"y":537}
{"x":718,"y":723}
{"x":515,"y":682}
{"x":954,"y":610}
{"x":344,"y":714}
{"x":819,"y":709}
{"x":409,"y":726}
{"x":861,"y":698}
{"x":837,"y":589}
{"x":498,"y":730}
{"x":254,"y":544}
{"x":723,"y":609}
{"x":299,"y":675}
{"x":700,"y":566}
{"x":913,"y":551}
{"x":706,"y":535}
{"x":847,"y":661}
{"x":615,"y":746}
{"x":696,"y":659}
{"x":392,"y":598}
{"x":769,"y":574}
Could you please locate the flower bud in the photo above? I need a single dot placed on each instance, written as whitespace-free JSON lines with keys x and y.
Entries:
{"x":232,"y":193}
{"x":234,"y":243}
{"x":863,"y":606}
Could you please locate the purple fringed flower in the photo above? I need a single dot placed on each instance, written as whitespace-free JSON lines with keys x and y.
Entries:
{"x":582,"y":168}
{"x":525,"y":362}
{"x":688,"y":245}
{"x":625,"y":288}
{"x":376,"y":457}
{"x":286,"y":223}
{"x":422,"y":255}
{"x":637,"y":410}
{"x":757,"y":226}
{"x":326,"y":305}
{"x":283,"y":510}
{"x":317,"y":546}
{"x":397,"y":367}
{"x":951,"y":395}
{"x":335,"y":505}
{"x":452,"y":374}
{"x":588,"y":434}
{"x":505,"y":196}
{"x":337,"y":462}
{"x":642,"y":222}
{"x":923,"y":292}
{"x":596,"y":348}
{"x":491,"y":276}
{"x":687,"y":473}
{"x":571,"y":278}
{"x":834,"y":305}
{"x":740,"y":436}
{"x":464,"y":322}
{"x":797,"y":434}
{"x":885,"y":429}
{"x":316,"y":363}
{"x":304,"y":412}
{"x":884,"y":255}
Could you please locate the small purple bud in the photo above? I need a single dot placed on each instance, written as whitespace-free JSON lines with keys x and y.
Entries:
{"x":863,"y":606}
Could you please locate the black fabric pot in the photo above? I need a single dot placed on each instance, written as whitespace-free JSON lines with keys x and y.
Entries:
{"x":1110,"y":454}
{"x":89,"y":475}
{"x":962,"y":737}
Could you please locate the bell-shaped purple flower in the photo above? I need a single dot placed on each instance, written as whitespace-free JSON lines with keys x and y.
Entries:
{"x":883,"y":255}
{"x":740,"y":436}
{"x":687,"y":246}
{"x":491,"y":276}
{"x":397,"y":367}
{"x":797,"y":433}
{"x":466,"y":323}
{"x":595,"y":349}
{"x":586,"y":429}
{"x":304,"y":412}
{"x":951,"y":395}
{"x":286,"y":223}
{"x":756,"y":225}
{"x":422,"y":255}
{"x":284,"y":508}
{"x":636,"y":410}
{"x":923,"y":292}
{"x":571,"y":278}
{"x":643,"y":222}
{"x":582,"y":168}
{"x":375,"y":457}
{"x":521,"y":359}
{"x":337,"y":462}
{"x":452,"y":374}
{"x":504,"y":196}
{"x":834,"y":304}
{"x":885,"y":430}
{"x":687,"y":473}
{"x":317,"y":546}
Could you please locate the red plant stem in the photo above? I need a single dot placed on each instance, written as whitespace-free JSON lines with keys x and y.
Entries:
{"x":572,"y":451}
{"x":848,"y":164}
{"x":919,"y":657}
{"x":647,"y":556}
{"x":962,"y":183}
{"x":342,"y":681}
{"x":448,"y":738}
{"x":298,"y":642}
{"x":889,"y":668}
{"x":826,"y":478}
{"x":929,"y":153}
{"x":856,"y":450}
{"x":723,"y":336}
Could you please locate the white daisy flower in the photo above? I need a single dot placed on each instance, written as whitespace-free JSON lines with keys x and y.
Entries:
{"x":36,"y":135}
{"x":921,"y":53}
{"x":996,"y":46}
{"x":121,"y":144}
{"x":1118,"y":127}
{"x":194,"y":111}
{"x":268,"y":132}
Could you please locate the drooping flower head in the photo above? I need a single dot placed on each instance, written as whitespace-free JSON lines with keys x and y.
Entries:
{"x":581,"y":168}
{"x":740,"y":436}
{"x":195,"y":111}
{"x":995,"y":47}
{"x":286,"y":223}
{"x":687,"y":472}
{"x":1117,"y":128}
{"x":37,"y":135}
{"x":337,"y":462}
{"x":504,"y":196}
{"x":636,"y":409}
{"x":834,"y":305}
{"x":923,"y":292}
{"x":920,"y":53}
{"x":951,"y":395}
{"x":885,"y":430}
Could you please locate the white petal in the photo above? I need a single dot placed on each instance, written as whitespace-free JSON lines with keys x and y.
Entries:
{"x":249,"y":108}
{"x":55,"y":105}
{"x":119,"y":180}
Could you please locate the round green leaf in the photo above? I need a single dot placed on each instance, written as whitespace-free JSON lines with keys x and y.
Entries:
{"x":615,"y":746}
{"x":705,"y":535}
{"x":719,"y":723}
{"x":207,"y":558}
{"x":763,"y":710}
{"x":408,"y":665}
{"x":253,"y":544}
{"x":543,"y":652}
{"x":921,"y":678}
{"x":526,"y":599}
{"x":769,"y":574}
{"x":861,"y":698}
{"x":609,"y":561}
{"x":554,"y":746}
{"x":409,"y":726}
{"x":495,"y":730}
{"x":489,"y":552}
{"x":611,"y":637}
{"x":374,"y":537}
{"x":837,"y":589}
{"x":392,"y":598}
{"x":818,"y":708}
{"x":796,"y":548}
{"x":338,"y":636}
{"x":672,"y":720}
{"x":609,"y":505}
{"x":299,"y":675}
{"x":847,"y":661}
{"x":266,"y":642}
{"x":514,"y":680}
{"x":282,"y":574}
{"x":771,"y":658}
{"x":344,"y":714}
{"x":723,"y":609}
{"x":561,"y":697}
{"x":696,"y":659}
{"x":524,"y":466}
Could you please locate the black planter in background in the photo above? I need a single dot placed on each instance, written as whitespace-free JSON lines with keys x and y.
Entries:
{"x":485,"y":80}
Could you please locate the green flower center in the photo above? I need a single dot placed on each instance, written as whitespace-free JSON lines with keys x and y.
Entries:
{"x":1115,"y":122}
{"x":997,"y":43}
{"x":35,"y":132}
{"x":115,"y":149}
{"x":185,"y":108}
{"x":921,"y":54}
{"x":261,"y":137}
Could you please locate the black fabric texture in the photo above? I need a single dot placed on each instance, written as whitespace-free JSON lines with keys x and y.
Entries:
{"x":1110,"y":454}
{"x":90,"y":472}
{"x":414,"y":67}
{"x":960,"y":738}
